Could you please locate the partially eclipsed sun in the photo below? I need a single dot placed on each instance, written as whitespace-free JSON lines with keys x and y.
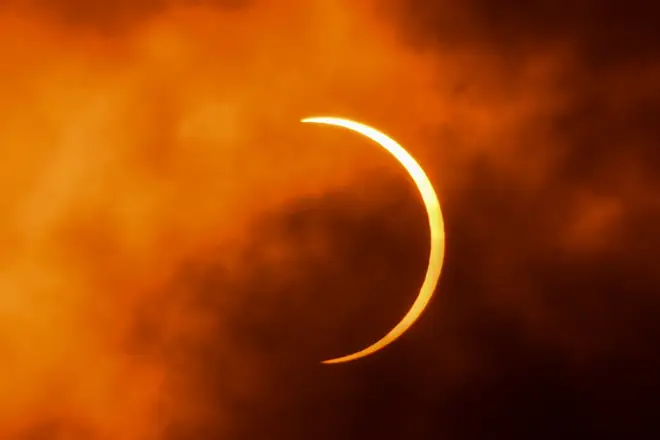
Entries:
{"x":436,"y":225}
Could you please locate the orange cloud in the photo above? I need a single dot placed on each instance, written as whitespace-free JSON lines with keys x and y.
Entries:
{"x":131,"y":149}
{"x":144,"y":143}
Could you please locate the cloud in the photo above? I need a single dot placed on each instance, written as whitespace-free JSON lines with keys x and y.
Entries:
{"x":179,"y":252}
{"x":142,"y":142}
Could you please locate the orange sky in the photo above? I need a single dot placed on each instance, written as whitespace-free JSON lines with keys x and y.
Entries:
{"x":138,"y":139}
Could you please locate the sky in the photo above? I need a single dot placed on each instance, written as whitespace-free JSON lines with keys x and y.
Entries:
{"x":179,"y":252}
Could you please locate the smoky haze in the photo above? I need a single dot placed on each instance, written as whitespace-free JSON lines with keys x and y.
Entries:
{"x":143,"y":144}
{"x":179,"y":252}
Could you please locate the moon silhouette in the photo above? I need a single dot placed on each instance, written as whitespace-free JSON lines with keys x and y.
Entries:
{"x":436,"y":225}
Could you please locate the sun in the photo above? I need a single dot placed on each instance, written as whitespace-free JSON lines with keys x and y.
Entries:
{"x":436,"y":225}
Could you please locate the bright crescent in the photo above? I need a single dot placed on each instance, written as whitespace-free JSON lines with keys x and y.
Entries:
{"x":436,"y":225}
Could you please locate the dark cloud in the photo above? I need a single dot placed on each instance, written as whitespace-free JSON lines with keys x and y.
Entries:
{"x":605,"y":32}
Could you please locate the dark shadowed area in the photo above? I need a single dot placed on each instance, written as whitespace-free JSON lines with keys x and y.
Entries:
{"x":179,"y":253}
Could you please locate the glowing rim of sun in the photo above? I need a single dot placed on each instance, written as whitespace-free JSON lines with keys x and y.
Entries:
{"x":436,"y":225}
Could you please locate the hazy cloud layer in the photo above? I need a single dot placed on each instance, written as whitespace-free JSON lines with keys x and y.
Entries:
{"x":179,"y":252}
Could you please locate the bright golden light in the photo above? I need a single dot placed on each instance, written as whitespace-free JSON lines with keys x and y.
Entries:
{"x":436,"y":225}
